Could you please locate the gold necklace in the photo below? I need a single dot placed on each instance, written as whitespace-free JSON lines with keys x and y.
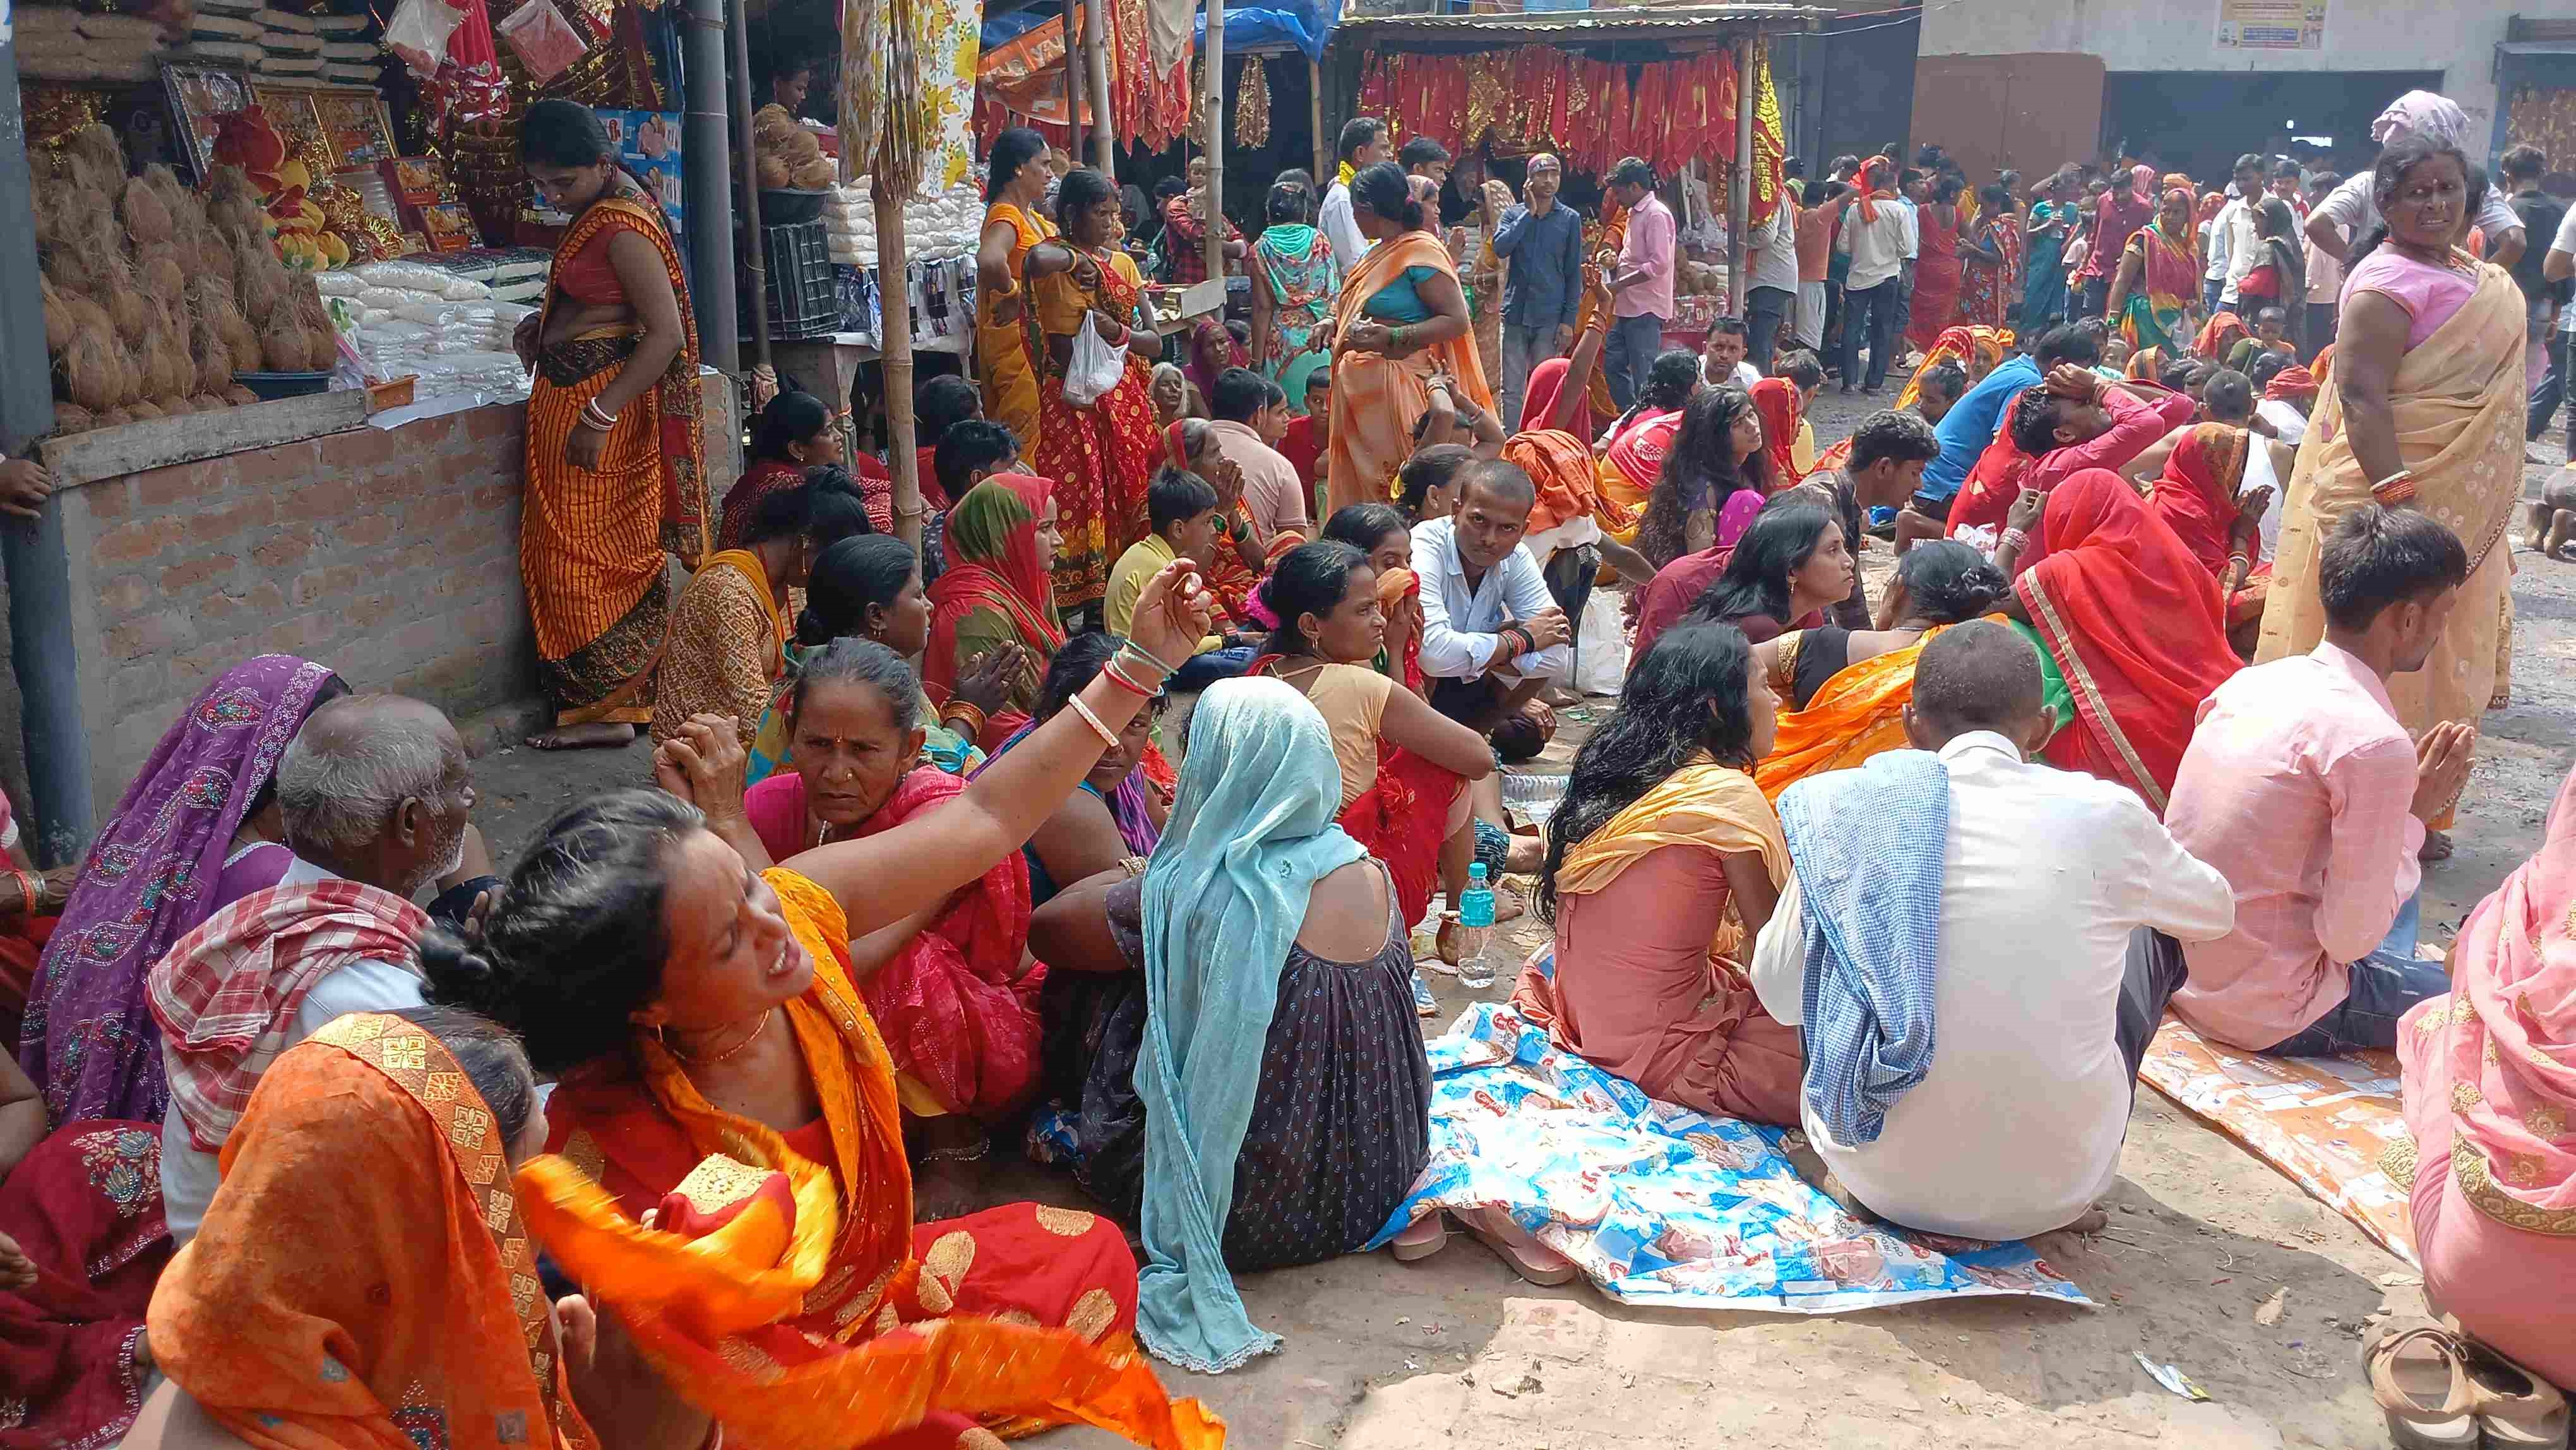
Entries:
{"x":729,"y":1053}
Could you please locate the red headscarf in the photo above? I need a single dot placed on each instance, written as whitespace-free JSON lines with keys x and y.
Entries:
{"x":2292,"y":384}
{"x":992,"y":544}
{"x":1776,"y":399}
{"x":2196,"y":497}
{"x":2134,"y":624}
{"x":1538,"y":406}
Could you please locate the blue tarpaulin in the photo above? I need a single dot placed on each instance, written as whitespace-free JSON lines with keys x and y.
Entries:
{"x":1305,"y":26}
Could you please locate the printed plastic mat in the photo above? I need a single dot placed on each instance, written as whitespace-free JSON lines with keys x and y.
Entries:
{"x":1666,"y":1207}
{"x":2322,"y":1121}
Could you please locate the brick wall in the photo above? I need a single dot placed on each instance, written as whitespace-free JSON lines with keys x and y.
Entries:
{"x":390,"y":554}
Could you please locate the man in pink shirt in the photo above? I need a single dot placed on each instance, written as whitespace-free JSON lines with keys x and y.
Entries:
{"x":2081,"y":420}
{"x":1641,"y":282}
{"x":2306,"y":794}
{"x":1243,"y":429}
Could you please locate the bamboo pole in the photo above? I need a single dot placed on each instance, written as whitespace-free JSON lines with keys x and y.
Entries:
{"x":1076,"y":72}
{"x":1214,"y":77}
{"x":894,"y":346}
{"x":1739,"y":199}
{"x":1095,"y":55}
{"x":1324,"y":168}
{"x":755,"y":261}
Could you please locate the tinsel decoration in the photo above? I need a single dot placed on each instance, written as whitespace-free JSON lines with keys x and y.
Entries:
{"x":1252,"y":106}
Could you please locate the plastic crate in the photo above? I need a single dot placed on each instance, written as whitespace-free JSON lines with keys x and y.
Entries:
{"x":804,"y":296}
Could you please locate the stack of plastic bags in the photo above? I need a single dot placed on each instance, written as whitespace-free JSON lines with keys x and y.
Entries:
{"x":934,"y":228}
{"x":417,"y":318}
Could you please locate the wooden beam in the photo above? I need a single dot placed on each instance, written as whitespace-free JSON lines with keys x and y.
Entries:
{"x":894,"y":299}
{"x":1213,"y":76}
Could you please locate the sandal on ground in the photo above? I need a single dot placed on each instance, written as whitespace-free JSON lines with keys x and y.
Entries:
{"x":1532,"y":1260}
{"x":2422,"y":1385}
{"x":1422,"y":1238}
{"x":2516,"y":1409}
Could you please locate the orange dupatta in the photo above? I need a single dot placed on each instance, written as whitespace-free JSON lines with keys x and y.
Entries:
{"x":1562,"y":468}
{"x":1858,"y":713}
{"x":848,"y":1367}
{"x":1376,"y":399}
{"x":363,"y":1277}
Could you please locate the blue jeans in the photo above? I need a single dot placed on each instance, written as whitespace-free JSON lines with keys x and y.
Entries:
{"x":1200,"y":671}
{"x":2381,"y":986}
{"x":1766,"y":313}
{"x":2210,"y":288}
{"x":1904,"y":303}
{"x":1869,"y":314}
{"x":2552,"y":391}
{"x":1629,"y":355}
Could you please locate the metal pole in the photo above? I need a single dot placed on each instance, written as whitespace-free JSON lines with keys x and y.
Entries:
{"x":1739,"y":200}
{"x":894,"y":292}
{"x":755,"y":264}
{"x":1075,"y":68}
{"x":1214,"y":79}
{"x":710,"y":193}
{"x":1324,"y":168}
{"x":1095,"y":55}
{"x":41,"y":648}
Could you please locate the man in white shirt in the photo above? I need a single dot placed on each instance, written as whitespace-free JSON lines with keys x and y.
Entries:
{"x":1722,"y":362}
{"x":2348,"y":214}
{"x":1771,"y":264}
{"x":1364,"y":144}
{"x":2233,"y":243}
{"x":1875,"y":226}
{"x":2557,"y":268}
{"x":375,"y":793}
{"x":2043,"y":990}
{"x":1492,"y":636}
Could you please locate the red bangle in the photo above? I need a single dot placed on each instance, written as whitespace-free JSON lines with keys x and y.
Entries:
{"x":2395,"y":489}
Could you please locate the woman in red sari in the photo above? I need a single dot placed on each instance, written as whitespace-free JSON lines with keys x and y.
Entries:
{"x":644,"y":956}
{"x":1990,"y":288}
{"x":1937,"y":271}
{"x":2198,"y":498}
{"x":1780,"y":402}
{"x":995,"y":592}
{"x":954,"y":995}
{"x":1100,"y":454}
{"x":1405,"y":767}
{"x":2128,"y":617}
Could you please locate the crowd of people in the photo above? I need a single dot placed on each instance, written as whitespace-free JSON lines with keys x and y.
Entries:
{"x":1102,"y":821}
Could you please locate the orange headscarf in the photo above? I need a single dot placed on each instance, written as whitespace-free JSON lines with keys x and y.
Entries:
{"x":2291,"y":384}
{"x":2196,"y":497}
{"x":1776,"y":399}
{"x":364,"y":1274}
{"x":1561,"y":467}
{"x":1872,"y":185}
{"x":879,"y":1339}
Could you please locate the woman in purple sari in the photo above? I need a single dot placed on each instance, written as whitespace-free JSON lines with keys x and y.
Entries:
{"x":196,"y":831}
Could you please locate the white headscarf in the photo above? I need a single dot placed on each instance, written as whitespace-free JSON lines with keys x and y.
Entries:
{"x":2437,"y":119}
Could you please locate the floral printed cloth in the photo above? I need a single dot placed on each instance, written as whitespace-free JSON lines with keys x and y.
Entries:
{"x":1663,"y":1206}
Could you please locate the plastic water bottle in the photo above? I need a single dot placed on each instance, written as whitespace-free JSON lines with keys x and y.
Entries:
{"x":1475,"y":930}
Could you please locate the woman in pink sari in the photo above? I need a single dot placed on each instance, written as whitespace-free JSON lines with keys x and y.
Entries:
{"x":2490,"y":1074}
{"x":952,"y":990}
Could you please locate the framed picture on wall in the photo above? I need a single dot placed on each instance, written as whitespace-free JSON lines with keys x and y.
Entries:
{"x":199,"y":95}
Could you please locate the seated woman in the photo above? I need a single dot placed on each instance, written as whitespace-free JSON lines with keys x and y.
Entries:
{"x":951,"y":987}
{"x":1663,"y":864}
{"x":379,"y":1149}
{"x":1190,"y":445}
{"x":2489,"y":1094}
{"x":1844,"y":691}
{"x":204,"y":807}
{"x":2202,"y":498}
{"x":1400,"y":322}
{"x":2122,"y":611}
{"x":1383,"y":535}
{"x":1633,"y":457}
{"x":1405,"y":767}
{"x":1113,"y":813}
{"x":643,"y":964}
{"x":996,"y":592}
{"x":31,"y":904}
{"x":1251,"y":1078}
{"x":1789,"y":567}
{"x":794,"y":433}
{"x":1427,"y":486}
{"x":1712,"y":481}
{"x":729,"y":631}
{"x":82,"y":1242}
{"x":870,"y":588}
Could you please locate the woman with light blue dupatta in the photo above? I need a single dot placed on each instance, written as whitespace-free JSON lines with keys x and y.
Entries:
{"x":1252,"y":1085}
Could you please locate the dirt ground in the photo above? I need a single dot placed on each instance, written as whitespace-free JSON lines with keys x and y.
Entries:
{"x":1456,"y":1351}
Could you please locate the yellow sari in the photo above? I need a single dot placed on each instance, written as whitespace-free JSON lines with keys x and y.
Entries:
{"x":1002,"y":348}
{"x":2459,"y":401}
{"x":1858,"y":713}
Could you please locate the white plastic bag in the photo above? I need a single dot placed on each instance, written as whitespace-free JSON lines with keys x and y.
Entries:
{"x":1096,"y":368}
{"x":1601,"y":649}
{"x":418,"y":33}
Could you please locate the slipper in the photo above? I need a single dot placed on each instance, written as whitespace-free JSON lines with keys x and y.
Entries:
{"x":2516,"y":1409}
{"x":1533,"y":1261}
{"x":1421,"y":1238}
{"x":2422,"y":1385}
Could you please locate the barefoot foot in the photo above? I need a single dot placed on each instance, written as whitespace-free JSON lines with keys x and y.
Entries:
{"x":598,"y":735}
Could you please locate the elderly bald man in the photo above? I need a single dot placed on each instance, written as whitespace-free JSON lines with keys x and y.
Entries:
{"x":375,"y":792}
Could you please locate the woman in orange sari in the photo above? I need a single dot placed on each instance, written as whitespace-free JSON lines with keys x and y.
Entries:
{"x":2198,"y":498}
{"x":646,"y":957}
{"x":615,"y":475}
{"x":364,"y":1275}
{"x":1101,"y":453}
{"x":1013,"y":223}
{"x":1401,"y":321}
{"x":2127,"y":616}
{"x":1843,"y":692}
